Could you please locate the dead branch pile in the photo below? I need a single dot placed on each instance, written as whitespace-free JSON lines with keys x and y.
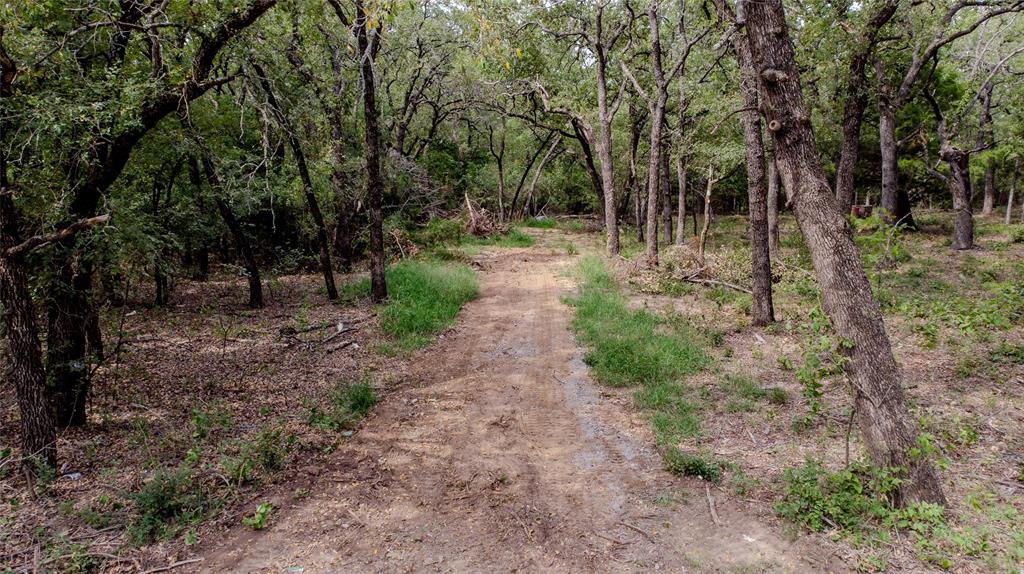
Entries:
{"x":481,"y":223}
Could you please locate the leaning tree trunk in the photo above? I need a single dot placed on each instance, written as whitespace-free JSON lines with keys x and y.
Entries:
{"x":879,"y":402}
{"x":237,"y":234}
{"x":374,"y":183}
{"x":25,"y":371}
{"x":762,"y":311}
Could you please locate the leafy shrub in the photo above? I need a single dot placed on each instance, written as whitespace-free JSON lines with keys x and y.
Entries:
{"x":540,"y":223}
{"x":815,"y":497}
{"x":259,"y":519}
{"x":347,"y":405}
{"x":271,"y":447}
{"x":1017,"y":233}
{"x":171,"y":498}
{"x":439,"y":232}
{"x":686,"y":464}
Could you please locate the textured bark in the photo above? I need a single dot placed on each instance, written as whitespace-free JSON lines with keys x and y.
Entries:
{"x":762,"y":311}
{"x":958,"y":181}
{"x":985,"y":140}
{"x":871,"y":368}
{"x":25,"y":371}
{"x":773,"y":209}
{"x":857,"y":101}
{"x":585,"y":137}
{"x":1013,"y":191}
{"x":635,"y":125}
{"x":681,"y":199}
{"x":894,"y":200}
{"x":604,"y":146}
{"x":371,"y":129}
{"x":666,"y":202}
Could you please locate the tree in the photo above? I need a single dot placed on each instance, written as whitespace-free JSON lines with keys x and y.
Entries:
{"x":870,"y":366}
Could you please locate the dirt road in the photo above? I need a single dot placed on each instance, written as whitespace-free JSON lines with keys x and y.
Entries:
{"x":500,"y":454}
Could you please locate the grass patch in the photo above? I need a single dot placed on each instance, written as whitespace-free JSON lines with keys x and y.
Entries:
{"x":540,"y":223}
{"x":514,"y":238}
{"x":637,"y":348}
{"x":346,"y":405}
{"x":423,"y":299}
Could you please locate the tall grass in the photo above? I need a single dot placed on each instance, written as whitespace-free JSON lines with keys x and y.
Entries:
{"x":630,"y":347}
{"x":423,"y":299}
{"x":514,"y":238}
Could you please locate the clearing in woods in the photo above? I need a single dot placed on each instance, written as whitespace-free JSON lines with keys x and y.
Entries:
{"x":501,"y":455}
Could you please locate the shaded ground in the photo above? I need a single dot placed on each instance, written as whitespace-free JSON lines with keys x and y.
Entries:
{"x":499,"y":454}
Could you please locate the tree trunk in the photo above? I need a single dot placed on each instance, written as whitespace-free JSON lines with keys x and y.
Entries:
{"x":881,"y":410}
{"x":241,"y":241}
{"x":773,"y":209}
{"x":68,"y":315}
{"x":894,"y":201}
{"x":604,"y":151}
{"x":536,"y":174}
{"x":985,"y":139}
{"x":25,"y":371}
{"x":681,"y":197}
{"x":666,"y":202}
{"x":374,"y":183}
{"x":959,"y":181}
{"x":1013,"y":191}
{"x":762,"y":311}
{"x":703,"y":238}
{"x":654,"y":183}
{"x":584,"y":136}
{"x":635,"y":119}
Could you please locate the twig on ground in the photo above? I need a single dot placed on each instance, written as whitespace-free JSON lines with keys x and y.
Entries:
{"x":643,"y":532}
{"x":172,"y":566}
{"x":711,"y":505}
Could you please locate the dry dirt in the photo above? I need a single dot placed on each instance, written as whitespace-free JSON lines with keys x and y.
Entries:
{"x":499,"y":454}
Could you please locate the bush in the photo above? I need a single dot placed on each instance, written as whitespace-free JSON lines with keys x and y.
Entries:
{"x":439,"y":232}
{"x":347,"y":405}
{"x":170,"y":499}
{"x":815,"y":497}
{"x":685,"y":464}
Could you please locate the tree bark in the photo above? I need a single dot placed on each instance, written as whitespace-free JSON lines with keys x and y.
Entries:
{"x":985,"y":140}
{"x":681,"y":200}
{"x":762,"y":311}
{"x":585,"y":137}
{"x":856,"y":103}
{"x":773,"y":209}
{"x":881,"y":410}
{"x":26,"y":371}
{"x":666,"y":202}
{"x":894,"y":201}
{"x":374,"y":183}
{"x":1013,"y":191}
{"x":604,"y":149}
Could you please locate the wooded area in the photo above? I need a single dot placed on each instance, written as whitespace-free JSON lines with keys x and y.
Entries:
{"x":161,"y":157}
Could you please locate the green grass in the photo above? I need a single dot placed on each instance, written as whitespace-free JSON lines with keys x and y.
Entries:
{"x":536,"y":223}
{"x":423,"y":299}
{"x":514,"y":238}
{"x":637,"y":348}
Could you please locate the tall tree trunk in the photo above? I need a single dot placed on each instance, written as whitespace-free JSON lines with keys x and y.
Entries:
{"x":654,"y":183}
{"x":25,"y":371}
{"x":374,"y":183}
{"x":773,"y":209}
{"x":959,"y":181}
{"x":68,"y":316}
{"x":237,"y":234}
{"x":1013,"y":191}
{"x":762,"y":311}
{"x":857,"y":101}
{"x":681,"y":197}
{"x":881,"y":410}
{"x":604,"y":151}
{"x":985,"y":139}
{"x":530,"y":196}
{"x":635,"y":120}
{"x":894,"y":200}
{"x":585,"y":137}
{"x":666,"y":202}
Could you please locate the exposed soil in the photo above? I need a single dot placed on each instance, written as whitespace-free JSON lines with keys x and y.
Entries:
{"x":499,"y":454}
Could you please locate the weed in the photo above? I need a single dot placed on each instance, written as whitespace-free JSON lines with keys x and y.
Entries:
{"x":259,"y":519}
{"x":686,"y":464}
{"x":347,"y":404}
{"x":271,"y":448}
{"x":424,"y":299}
{"x":778,"y":396}
{"x":514,"y":238}
{"x":540,"y":223}
{"x":171,"y":498}
{"x":815,"y":497}
{"x":1006,"y":352}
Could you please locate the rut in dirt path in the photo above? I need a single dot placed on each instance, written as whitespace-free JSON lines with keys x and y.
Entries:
{"x":500,"y":455}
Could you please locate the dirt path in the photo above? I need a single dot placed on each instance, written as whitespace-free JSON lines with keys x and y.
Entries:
{"x":500,"y":455}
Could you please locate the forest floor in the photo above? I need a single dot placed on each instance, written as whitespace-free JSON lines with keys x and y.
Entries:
{"x":498,"y":448}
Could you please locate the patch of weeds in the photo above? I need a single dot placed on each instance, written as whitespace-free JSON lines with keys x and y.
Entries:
{"x":686,"y":464}
{"x":206,"y":421}
{"x":929,"y":334}
{"x":238,"y":469}
{"x":822,"y":358}
{"x":778,"y":396}
{"x":424,"y":298}
{"x":741,"y":482}
{"x":1006,"y":352}
{"x":514,"y":238}
{"x":573,"y":225}
{"x":352,"y":291}
{"x":271,"y":447}
{"x":967,"y":367}
{"x":815,"y":497}
{"x":66,"y":556}
{"x":261,"y":518}
{"x":744,"y":391}
{"x":1017,"y":233}
{"x":346,"y":405}
{"x":540,"y":223}
{"x":170,"y":499}
{"x":438,"y":232}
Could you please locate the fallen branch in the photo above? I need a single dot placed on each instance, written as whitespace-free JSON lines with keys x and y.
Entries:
{"x":638,"y":529}
{"x":717,"y":282}
{"x":711,"y":505}
{"x":41,"y":240}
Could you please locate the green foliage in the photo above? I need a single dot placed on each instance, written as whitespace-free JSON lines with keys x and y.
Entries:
{"x":822,"y":358}
{"x":170,"y":499}
{"x":814,"y":497}
{"x":439,"y":232}
{"x":346,"y":405}
{"x":514,"y":238}
{"x":686,"y":464}
{"x":261,"y":518}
